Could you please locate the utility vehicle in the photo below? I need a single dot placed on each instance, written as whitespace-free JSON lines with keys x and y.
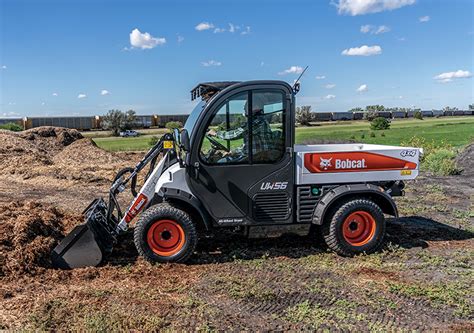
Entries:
{"x":235,"y":165}
{"x":128,"y":133}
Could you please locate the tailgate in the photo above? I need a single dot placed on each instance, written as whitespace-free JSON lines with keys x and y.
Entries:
{"x":355,"y":163}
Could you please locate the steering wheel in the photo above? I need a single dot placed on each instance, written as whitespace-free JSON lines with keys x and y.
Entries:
{"x":216,"y":144}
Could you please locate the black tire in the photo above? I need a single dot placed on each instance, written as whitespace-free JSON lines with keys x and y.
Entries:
{"x":182,"y":222}
{"x":347,"y":212}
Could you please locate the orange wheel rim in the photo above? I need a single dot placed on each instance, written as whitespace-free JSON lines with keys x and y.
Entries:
{"x":359,"y":228}
{"x":165,"y":237}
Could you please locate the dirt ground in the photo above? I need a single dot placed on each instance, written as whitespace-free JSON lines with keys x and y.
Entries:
{"x":422,"y":280}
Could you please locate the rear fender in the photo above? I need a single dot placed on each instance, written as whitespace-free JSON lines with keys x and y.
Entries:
{"x":343,"y":192}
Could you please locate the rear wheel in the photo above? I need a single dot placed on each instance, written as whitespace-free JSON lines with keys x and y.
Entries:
{"x":356,"y":226}
{"x":165,"y":234}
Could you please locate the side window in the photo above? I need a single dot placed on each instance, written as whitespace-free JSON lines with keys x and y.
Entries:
{"x":268,"y":126}
{"x":226,"y":138}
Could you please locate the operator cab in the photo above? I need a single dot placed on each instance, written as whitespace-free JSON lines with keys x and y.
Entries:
{"x":239,"y":157}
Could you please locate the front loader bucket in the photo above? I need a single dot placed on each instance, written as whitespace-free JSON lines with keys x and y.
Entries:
{"x":87,"y":244}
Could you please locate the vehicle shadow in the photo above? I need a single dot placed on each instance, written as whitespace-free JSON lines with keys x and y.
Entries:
{"x":417,"y":231}
{"x":406,"y":232}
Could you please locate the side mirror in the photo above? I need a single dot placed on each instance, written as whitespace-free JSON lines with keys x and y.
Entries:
{"x":184,"y":138}
{"x":177,"y":136}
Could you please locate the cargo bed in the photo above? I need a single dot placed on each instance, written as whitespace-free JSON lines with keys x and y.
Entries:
{"x":355,"y":163}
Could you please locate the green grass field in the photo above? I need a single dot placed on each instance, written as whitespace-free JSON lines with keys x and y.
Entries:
{"x":456,"y":131}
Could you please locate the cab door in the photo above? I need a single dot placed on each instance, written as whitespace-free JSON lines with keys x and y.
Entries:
{"x":241,"y":156}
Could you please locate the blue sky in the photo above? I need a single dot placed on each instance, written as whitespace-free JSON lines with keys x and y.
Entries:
{"x":85,"y":57}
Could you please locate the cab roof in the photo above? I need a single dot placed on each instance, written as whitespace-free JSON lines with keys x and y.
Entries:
{"x":206,"y":90}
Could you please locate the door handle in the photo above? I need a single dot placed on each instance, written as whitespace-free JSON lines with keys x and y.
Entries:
{"x":196,"y":170}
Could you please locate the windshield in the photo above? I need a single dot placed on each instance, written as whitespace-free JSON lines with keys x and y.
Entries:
{"x":193,"y":117}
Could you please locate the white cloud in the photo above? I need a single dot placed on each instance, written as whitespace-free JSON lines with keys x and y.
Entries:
{"x":4,"y":67}
{"x":292,"y":70}
{"x":55,"y":94}
{"x":382,"y":29}
{"x":232,"y":28}
{"x":211,"y":63}
{"x":43,"y":103}
{"x":144,"y":40}
{"x":361,"y":7}
{"x":366,"y":28}
{"x":362,"y":88}
{"x":11,"y":113}
{"x":320,"y":77}
{"x":180,"y":39}
{"x":104,"y":92}
{"x":424,"y":19}
{"x":330,"y":97}
{"x":373,"y":29}
{"x":402,"y":39}
{"x":364,"y":50}
{"x":204,"y":26}
{"x":450,"y":76}
{"x":246,"y":31}
{"x":330,"y":86}
{"x":81,"y":96}
{"x":11,"y":103}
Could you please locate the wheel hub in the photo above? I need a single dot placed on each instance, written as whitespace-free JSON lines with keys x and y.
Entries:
{"x":359,"y":228}
{"x":165,"y":237}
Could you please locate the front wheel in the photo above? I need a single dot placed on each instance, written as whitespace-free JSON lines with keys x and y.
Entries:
{"x":165,"y":233}
{"x":356,"y":226}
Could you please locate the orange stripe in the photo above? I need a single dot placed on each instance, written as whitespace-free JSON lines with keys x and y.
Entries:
{"x":354,"y":162}
{"x":136,"y":207}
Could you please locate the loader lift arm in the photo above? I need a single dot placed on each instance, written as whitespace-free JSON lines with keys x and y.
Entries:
{"x":87,"y":244}
{"x":120,"y":183}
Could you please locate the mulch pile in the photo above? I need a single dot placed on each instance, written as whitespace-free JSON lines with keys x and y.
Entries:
{"x":54,"y":159}
{"x":23,"y":150}
{"x":59,"y":153}
{"x":28,"y":233}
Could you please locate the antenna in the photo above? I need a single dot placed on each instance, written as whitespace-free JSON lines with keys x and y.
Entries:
{"x":296,"y":85}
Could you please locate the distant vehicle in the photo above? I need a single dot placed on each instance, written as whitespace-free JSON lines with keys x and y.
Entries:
{"x":128,"y":133}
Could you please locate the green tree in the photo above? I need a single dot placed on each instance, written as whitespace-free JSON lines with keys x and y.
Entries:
{"x":304,"y":115}
{"x":357,"y":109}
{"x":418,"y":115}
{"x":376,"y":107}
{"x":371,"y":111}
{"x":471,"y":106}
{"x":379,"y":123}
{"x":171,"y":125}
{"x":448,"y":108}
{"x":11,"y":127}
{"x":130,"y":119}
{"x":370,"y":115}
{"x":116,"y":121}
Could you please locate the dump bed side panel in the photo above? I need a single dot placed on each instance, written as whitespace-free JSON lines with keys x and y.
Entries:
{"x":355,"y":163}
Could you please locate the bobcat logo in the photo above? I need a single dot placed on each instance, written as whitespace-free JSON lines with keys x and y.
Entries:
{"x":325,"y":163}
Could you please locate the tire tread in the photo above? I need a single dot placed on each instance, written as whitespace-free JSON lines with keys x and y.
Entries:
{"x":330,"y":227}
{"x":164,"y":210}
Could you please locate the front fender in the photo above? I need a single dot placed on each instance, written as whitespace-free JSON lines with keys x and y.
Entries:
{"x":188,"y":202}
